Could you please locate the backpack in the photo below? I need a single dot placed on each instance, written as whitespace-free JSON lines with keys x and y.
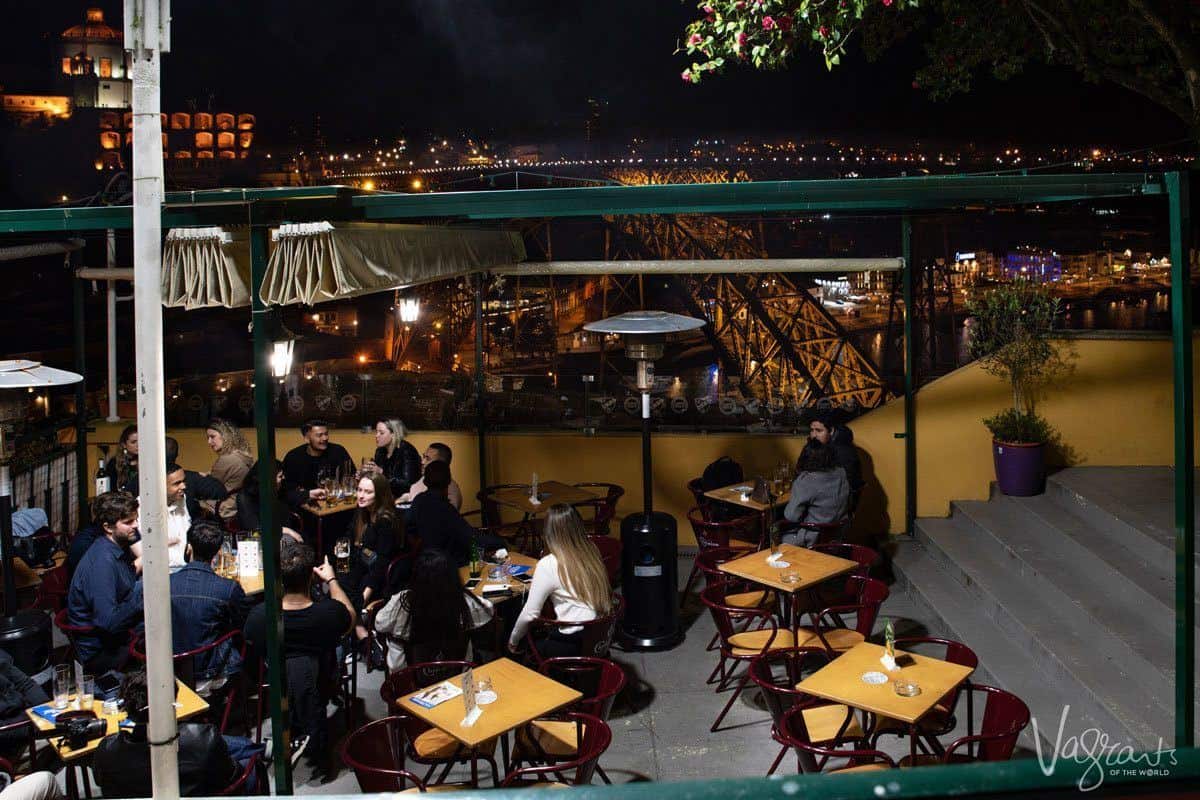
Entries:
{"x":722,"y":472}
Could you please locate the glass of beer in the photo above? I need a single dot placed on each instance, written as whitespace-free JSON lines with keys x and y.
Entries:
{"x":341,"y":552}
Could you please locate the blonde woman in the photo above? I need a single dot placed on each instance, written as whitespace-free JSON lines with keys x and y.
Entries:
{"x":572,"y":577}
{"x":233,"y":460}
{"x":395,"y":459}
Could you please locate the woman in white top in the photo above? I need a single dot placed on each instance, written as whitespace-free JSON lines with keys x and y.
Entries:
{"x":572,"y":577}
{"x":433,"y":618}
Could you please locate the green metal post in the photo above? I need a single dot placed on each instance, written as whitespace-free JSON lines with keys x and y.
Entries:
{"x":1185,"y":489}
{"x":265,"y":323}
{"x":910,"y":383}
{"x":80,"y":319}
{"x":480,"y":405}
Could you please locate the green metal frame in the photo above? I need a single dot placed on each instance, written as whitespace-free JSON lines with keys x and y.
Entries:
{"x":903,"y":196}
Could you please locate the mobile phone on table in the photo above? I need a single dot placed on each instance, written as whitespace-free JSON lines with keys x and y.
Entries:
{"x":524,"y":578}
{"x":472,"y":583}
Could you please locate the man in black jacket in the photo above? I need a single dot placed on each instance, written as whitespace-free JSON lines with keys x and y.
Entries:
{"x":841,"y":439}
{"x":208,"y":762}
{"x":303,"y":465}
{"x":439,"y":525}
{"x":17,"y":693}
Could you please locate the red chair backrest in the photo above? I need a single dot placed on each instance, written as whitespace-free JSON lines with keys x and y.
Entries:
{"x":185,"y":662}
{"x":864,"y":556}
{"x":709,"y":560}
{"x":599,"y":679}
{"x":778,"y":671}
{"x":594,"y":739}
{"x":598,"y":633}
{"x":871,"y":593}
{"x":52,"y":592}
{"x":610,"y":554}
{"x":696,"y":487}
{"x":489,"y":508}
{"x":606,"y":509}
{"x":711,"y":534}
{"x":60,"y":622}
{"x":1004,"y":717}
{"x":954,"y":653}
{"x":409,"y":680}
{"x":376,"y":754}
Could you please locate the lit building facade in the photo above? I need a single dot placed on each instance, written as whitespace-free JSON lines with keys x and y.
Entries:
{"x":93,"y":68}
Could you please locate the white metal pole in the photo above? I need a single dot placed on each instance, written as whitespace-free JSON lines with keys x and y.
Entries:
{"x":110,"y":261}
{"x":143,"y":27}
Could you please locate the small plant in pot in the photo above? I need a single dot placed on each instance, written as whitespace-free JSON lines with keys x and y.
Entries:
{"x":1010,"y":336}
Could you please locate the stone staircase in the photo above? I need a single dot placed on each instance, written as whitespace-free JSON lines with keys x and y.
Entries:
{"x":1067,"y":598}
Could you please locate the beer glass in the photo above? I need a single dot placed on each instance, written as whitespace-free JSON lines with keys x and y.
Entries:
{"x":341,"y":552}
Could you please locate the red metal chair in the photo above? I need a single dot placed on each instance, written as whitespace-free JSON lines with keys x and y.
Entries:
{"x":839,"y":591}
{"x":1004,"y":717}
{"x":597,"y":633}
{"x":52,"y":591}
{"x":604,"y":509}
{"x":593,"y":735}
{"x":425,"y":744}
{"x":739,"y":534}
{"x":519,"y":533}
{"x":70,"y":631}
{"x":830,"y":632}
{"x":815,"y":757}
{"x":185,"y":670}
{"x":709,"y":562}
{"x":375,"y":752}
{"x":777,"y":674}
{"x":401,"y":564}
{"x":696,"y":487}
{"x":940,"y":720}
{"x":610,"y":554}
{"x":546,"y":741}
{"x":745,"y":634}
{"x":261,"y":789}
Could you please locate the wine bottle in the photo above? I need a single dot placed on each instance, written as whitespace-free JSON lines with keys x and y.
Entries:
{"x":102,"y":480}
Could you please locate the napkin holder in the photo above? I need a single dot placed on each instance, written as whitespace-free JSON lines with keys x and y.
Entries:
{"x":762,"y":491}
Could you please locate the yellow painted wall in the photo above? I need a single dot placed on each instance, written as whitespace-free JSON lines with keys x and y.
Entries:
{"x":1115,"y":410}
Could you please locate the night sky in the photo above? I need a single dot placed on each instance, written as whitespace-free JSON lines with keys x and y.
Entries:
{"x":523,"y":69}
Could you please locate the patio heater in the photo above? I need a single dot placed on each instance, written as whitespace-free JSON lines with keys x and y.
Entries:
{"x":25,"y":635}
{"x":649,"y":566}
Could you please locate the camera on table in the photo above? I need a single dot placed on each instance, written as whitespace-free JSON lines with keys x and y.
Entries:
{"x":78,"y":729}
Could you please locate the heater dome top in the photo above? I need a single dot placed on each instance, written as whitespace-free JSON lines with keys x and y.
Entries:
{"x":22,"y":374}
{"x":645,"y":323}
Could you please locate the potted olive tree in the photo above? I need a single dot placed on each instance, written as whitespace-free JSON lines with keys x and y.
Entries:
{"x":1010,"y":335}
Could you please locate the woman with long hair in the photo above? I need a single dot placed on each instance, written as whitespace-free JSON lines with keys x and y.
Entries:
{"x":433,"y":618}
{"x":820,"y":492}
{"x":233,"y":460}
{"x":395,"y":458}
{"x":122,"y":467}
{"x":375,"y":534}
{"x":572,"y":577}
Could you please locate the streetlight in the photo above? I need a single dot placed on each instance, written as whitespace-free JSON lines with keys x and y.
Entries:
{"x":281,"y":357}
{"x":648,"y":540}
{"x":410,"y":309}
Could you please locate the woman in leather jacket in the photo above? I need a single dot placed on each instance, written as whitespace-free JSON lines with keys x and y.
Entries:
{"x":395,"y":459}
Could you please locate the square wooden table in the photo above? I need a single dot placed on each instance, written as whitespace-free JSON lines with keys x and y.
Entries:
{"x":321,"y":510}
{"x":549,"y":493}
{"x":733,"y":494}
{"x":251,"y":584}
{"x":812,"y":566}
{"x":517,"y":587}
{"x":522,"y":695}
{"x":188,"y":704}
{"x":841,"y":681}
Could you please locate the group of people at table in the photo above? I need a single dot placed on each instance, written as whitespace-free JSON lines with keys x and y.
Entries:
{"x":405,"y":503}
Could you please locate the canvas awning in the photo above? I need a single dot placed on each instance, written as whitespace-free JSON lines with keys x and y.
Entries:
{"x":317,"y":262}
{"x":206,"y":267}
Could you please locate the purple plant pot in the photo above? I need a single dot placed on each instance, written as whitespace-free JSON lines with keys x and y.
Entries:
{"x":1020,"y":468}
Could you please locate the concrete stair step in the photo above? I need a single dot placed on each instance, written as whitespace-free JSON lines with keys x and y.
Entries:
{"x":1084,"y":589}
{"x":1134,"y":505}
{"x":1086,"y":662}
{"x":1002,"y":662}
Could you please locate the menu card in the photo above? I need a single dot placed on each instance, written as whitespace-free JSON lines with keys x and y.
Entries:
{"x":436,"y":695}
{"x":249,"y":555}
{"x":469,"y":702}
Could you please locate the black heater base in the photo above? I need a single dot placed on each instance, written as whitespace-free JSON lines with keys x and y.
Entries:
{"x":649,"y":582}
{"x":27,"y":636}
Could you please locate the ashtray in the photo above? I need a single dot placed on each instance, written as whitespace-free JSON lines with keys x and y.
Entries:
{"x":906,"y":688}
{"x":485,"y":698}
{"x":790,"y":577}
{"x":874,"y":678}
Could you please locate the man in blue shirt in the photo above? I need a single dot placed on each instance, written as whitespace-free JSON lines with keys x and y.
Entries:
{"x":106,"y":592}
{"x":205,"y":606}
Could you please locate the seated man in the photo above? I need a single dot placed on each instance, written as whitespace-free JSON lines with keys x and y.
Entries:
{"x":820,"y":493}
{"x":312,"y":631}
{"x":205,"y":606}
{"x":439,"y":525}
{"x":435,"y":452}
{"x":208,"y":761}
{"x":106,"y":592}
{"x":17,"y":693}
{"x":179,"y":516}
{"x":200,"y":489}
{"x":304,"y":465}
{"x":822,"y":429}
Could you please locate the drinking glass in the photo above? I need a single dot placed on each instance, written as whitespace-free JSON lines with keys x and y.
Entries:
{"x":341,"y":552}
{"x":790,"y":576}
{"x":63,"y":680}
{"x":87,"y":692}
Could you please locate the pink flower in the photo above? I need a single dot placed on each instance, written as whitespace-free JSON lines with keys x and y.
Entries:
{"x":740,"y":4}
{"x":769,"y":24}
{"x":708,"y":10}
{"x":887,"y":2}
{"x":686,"y":75}
{"x":695,"y":39}
{"x":741,"y":39}
{"x":824,"y":32}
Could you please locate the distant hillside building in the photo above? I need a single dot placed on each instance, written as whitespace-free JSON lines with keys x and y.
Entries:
{"x":94,"y":69}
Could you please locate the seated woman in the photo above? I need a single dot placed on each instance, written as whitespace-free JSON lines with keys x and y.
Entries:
{"x":395,"y":458}
{"x":249,"y":504}
{"x":820,"y":493}
{"x":572,"y":577}
{"x":375,"y":534}
{"x":433,"y":618}
{"x":232,"y":464}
